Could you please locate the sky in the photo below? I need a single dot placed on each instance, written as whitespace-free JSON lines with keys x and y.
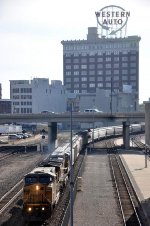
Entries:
{"x":31,"y":32}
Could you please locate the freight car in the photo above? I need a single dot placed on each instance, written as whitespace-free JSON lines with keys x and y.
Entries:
{"x":43,"y":185}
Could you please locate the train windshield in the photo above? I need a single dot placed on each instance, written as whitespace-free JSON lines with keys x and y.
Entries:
{"x":45,"y":180}
{"x":31,"y":180}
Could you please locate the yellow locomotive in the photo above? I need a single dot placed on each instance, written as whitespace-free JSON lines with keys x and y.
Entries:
{"x":43,"y":186}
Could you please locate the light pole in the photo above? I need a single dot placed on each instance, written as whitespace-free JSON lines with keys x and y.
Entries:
{"x":71,"y":98}
{"x":71,"y":170}
{"x":111,"y":97}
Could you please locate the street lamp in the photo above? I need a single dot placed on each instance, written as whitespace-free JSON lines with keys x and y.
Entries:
{"x":71,"y":99}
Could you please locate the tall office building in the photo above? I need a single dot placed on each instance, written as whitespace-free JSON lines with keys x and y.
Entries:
{"x":108,"y":63}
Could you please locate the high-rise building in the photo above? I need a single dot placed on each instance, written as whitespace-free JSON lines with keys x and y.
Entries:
{"x":101,"y":62}
{"x":0,"y":91}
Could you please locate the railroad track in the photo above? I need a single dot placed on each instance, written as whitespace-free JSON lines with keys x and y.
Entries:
{"x":128,"y":202}
{"x":61,"y":212}
{"x":7,"y":199}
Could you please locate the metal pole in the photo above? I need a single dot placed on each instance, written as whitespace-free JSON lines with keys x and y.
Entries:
{"x":111,"y":97}
{"x":71,"y":171}
{"x":145,"y":157}
{"x":93,"y":131}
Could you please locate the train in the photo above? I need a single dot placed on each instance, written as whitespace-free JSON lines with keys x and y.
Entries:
{"x":44,"y":184}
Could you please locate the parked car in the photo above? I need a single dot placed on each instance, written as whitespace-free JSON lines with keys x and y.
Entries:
{"x":92,"y":110}
{"x":13,"y":137}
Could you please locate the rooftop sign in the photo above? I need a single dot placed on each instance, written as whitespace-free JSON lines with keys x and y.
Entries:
{"x":112,"y":18}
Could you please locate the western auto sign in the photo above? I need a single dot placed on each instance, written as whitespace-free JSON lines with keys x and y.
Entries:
{"x":112,"y":18}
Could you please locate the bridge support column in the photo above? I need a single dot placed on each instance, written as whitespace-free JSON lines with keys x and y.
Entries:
{"x":126,"y":136}
{"x":52,"y":136}
{"x":147,"y":124}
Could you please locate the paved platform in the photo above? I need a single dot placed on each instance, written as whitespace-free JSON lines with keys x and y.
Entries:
{"x":138,"y":169}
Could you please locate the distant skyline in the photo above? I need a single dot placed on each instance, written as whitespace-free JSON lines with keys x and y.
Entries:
{"x":31,"y":32}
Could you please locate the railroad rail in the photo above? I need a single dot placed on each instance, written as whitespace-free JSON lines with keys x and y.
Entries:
{"x":129,"y":205}
{"x":11,"y":196}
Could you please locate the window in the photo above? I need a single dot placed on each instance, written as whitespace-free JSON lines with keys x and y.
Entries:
{"x":108,"y":58}
{"x":99,"y":78}
{"x":76,"y":79}
{"x":15,"y":90}
{"x":75,"y":61}
{"x":100,"y":72}
{"x":124,"y":64}
{"x":116,"y":65}
{"x":91,"y":72}
{"x":116,"y":78}
{"x":99,"y":84}
{"x":76,"y":91}
{"x":108,"y":78}
{"x":133,"y":70}
{"x":83,"y":60}
{"x":108,"y":65}
{"x":83,"y":66}
{"x":68,"y":66}
{"x":68,"y":73}
{"x":91,"y":60}
{"x":116,"y":72}
{"x":124,"y":77}
{"x":124,"y":58}
{"x":76,"y":73}
{"x":83,"y":85}
{"x":124,"y":72}
{"x":133,"y":64}
{"x":84,"y":79}
{"x":83,"y":72}
{"x":91,"y":85}
{"x":99,"y":65}
{"x":76,"y":66}
{"x":108,"y":72}
{"x":99,"y":59}
{"x":68,"y":79}
{"x":108,"y":84}
{"x":68,"y":60}
{"x":76,"y":85}
{"x":133,"y":77}
{"x":116,"y":59}
{"x":132,"y":58}
{"x":91,"y":66}
{"x":92,"y":79}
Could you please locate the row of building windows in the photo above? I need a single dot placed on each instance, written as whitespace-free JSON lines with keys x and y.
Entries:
{"x":22,"y":90}
{"x":100,"y":78}
{"x":102,"y":72}
{"x":93,"y":66}
{"x":121,"y":45}
{"x":100,"y":84}
{"x":22,"y":110}
{"x":100,"y":53}
{"x":100,"y":59}
{"x":22,"y":103}
{"x":16,"y":97}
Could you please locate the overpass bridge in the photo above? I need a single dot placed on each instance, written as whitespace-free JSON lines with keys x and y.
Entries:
{"x":77,"y":117}
{"x":52,"y":119}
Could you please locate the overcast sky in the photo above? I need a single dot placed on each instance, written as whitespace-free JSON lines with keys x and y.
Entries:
{"x":31,"y":32}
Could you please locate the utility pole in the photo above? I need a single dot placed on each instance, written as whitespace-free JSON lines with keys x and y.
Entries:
{"x":111,"y":97}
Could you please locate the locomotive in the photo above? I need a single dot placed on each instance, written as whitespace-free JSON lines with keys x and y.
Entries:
{"x":43,"y":185}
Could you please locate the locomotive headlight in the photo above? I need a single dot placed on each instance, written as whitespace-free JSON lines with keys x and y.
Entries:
{"x":29,"y":209}
{"x":43,"y":208}
{"x":37,"y":187}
